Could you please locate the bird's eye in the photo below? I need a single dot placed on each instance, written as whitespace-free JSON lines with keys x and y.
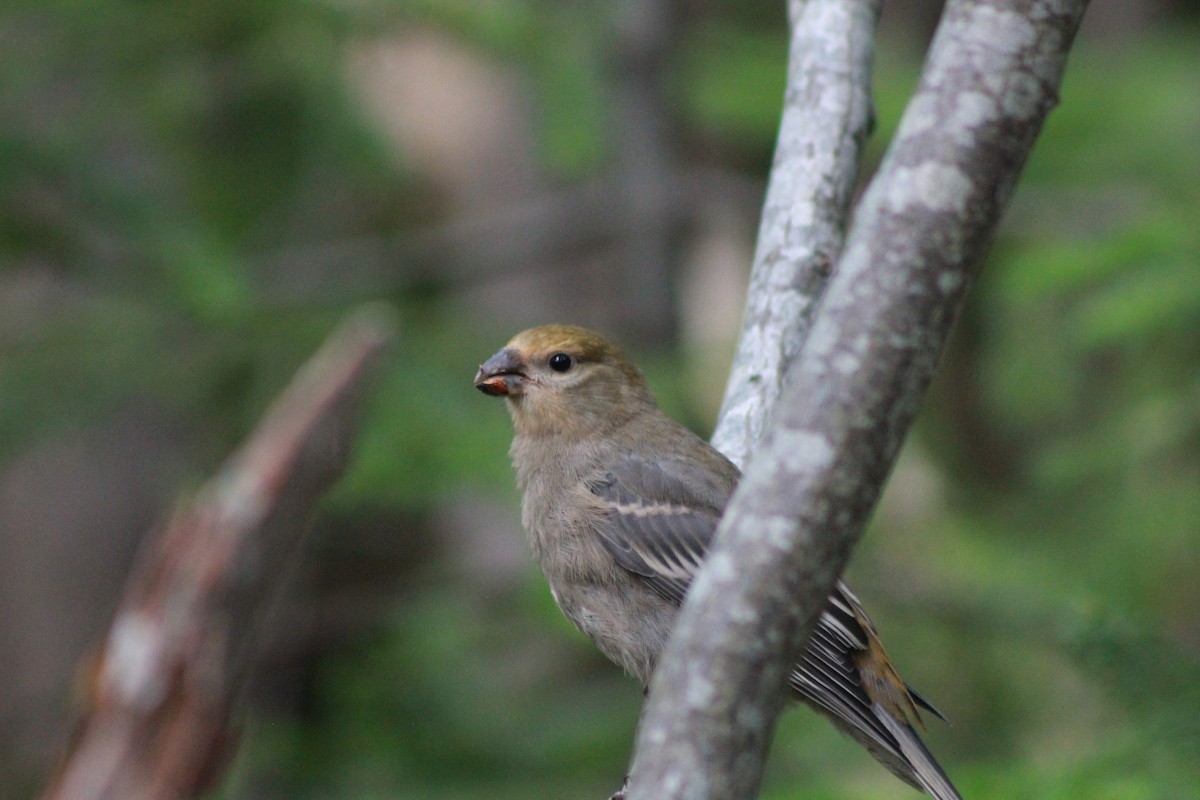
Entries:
{"x":561,"y":362}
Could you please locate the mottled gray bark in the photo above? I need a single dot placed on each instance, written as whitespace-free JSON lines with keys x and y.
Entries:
{"x":990,"y":79}
{"x":827,"y":116}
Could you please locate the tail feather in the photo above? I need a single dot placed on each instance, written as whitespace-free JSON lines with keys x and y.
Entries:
{"x":846,"y":674}
{"x":925,"y":770}
{"x":924,"y":703}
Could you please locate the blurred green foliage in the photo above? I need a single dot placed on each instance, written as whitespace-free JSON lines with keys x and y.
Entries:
{"x":156,"y":158}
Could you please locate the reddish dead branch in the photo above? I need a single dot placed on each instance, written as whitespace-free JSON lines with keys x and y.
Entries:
{"x":183,"y":636}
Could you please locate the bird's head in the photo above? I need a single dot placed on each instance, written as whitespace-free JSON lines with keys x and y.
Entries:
{"x":564,"y":379}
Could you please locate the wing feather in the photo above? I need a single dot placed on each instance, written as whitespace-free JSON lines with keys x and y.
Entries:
{"x":659,"y":530}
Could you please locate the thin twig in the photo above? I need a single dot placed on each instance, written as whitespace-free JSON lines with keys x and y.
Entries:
{"x":827,"y":117}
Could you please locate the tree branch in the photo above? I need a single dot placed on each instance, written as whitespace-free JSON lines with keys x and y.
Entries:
{"x":182,"y":638}
{"x":827,"y":116}
{"x":990,"y":80}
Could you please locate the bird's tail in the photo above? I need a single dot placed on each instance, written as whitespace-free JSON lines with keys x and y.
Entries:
{"x":924,"y":768}
{"x":846,"y":674}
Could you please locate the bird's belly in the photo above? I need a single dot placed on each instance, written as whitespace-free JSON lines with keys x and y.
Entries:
{"x":628,"y":622}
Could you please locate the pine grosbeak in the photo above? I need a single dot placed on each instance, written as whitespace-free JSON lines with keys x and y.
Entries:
{"x":620,"y":503}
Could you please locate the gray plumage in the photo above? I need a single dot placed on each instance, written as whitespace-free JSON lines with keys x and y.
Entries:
{"x":620,"y":504}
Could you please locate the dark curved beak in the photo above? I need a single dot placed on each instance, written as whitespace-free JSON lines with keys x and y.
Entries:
{"x":501,"y":375}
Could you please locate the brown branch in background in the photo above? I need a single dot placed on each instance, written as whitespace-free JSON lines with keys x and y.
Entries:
{"x":180,"y":645}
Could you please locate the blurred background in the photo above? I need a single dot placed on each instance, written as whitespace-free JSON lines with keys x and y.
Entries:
{"x":192,"y":193}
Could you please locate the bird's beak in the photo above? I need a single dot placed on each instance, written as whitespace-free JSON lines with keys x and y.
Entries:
{"x":502,"y":375}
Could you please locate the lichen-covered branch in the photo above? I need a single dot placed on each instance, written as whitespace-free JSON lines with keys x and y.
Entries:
{"x":991,"y":77}
{"x":827,"y":116}
{"x":157,"y":722}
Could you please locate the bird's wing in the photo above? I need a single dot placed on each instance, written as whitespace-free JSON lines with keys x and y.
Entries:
{"x":657,"y":526}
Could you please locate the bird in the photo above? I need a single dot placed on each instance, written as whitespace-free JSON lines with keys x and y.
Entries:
{"x":620,"y":503}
